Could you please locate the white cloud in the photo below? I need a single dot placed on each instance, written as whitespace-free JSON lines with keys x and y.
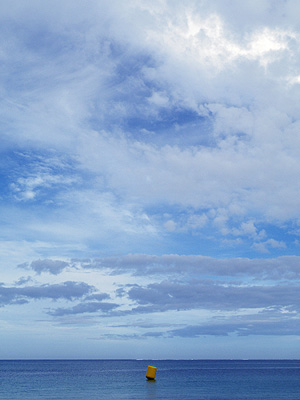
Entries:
{"x":198,"y":177}
{"x":150,"y":127}
{"x":159,"y":99}
{"x":27,"y":188}
{"x":264,"y":247}
{"x":170,"y":225}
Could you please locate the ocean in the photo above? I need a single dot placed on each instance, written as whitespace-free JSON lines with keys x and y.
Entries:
{"x":125,"y":380}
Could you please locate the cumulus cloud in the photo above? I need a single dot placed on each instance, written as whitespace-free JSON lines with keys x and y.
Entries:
{"x":213,"y":94}
{"x":264,"y":247}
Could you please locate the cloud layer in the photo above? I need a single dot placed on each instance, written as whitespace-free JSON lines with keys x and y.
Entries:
{"x":167,"y":134}
{"x":237,"y":296}
{"x":149,"y":165}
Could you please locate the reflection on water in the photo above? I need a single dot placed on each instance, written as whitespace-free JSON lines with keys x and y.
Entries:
{"x":151,"y":389}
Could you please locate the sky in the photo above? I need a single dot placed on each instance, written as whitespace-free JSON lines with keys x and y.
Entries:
{"x":149,"y":187}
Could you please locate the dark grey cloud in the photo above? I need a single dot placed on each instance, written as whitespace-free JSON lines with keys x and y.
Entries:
{"x":279,"y":327}
{"x":285,"y":267}
{"x":233,"y":284}
{"x":54,"y":267}
{"x":272,"y":321}
{"x":153,"y":334}
{"x":118,"y":337}
{"x":24,"y":279}
{"x":280,"y":268}
{"x":168,"y":295}
{"x":258,"y":324}
{"x":86,"y":307}
{"x":98,"y":297}
{"x":66,"y":290}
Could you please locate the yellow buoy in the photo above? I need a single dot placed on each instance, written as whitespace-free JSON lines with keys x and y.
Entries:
{"x":151,"y":372}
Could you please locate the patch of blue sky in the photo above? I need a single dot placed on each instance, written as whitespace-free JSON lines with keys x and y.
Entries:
{"x":40,"y":161}
{"x":136,"y":113}
{"x":281,"y":239}
{"x":7,"y":165}
{"x":200,"y":243}
{"x":22,"y":67}
{"x":265,"y":241}
{"x":37,"y":175}
{"x":39,"y":37}
{"x":126,"y":68}
{"x":129,"y":63}
{"x":193,"y":231}
{"x":118,"y":243}
{"x":182,"y":238}
{"x":174,"y":127}
{"x":209,"y":241}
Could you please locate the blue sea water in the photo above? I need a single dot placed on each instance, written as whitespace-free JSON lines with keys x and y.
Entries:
{"x":125,"y":380}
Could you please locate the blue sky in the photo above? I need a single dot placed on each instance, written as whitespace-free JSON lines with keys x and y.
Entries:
{"x":150,"y":198}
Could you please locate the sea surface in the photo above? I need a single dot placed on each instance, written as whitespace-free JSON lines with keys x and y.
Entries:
{"x":125,"y":380}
